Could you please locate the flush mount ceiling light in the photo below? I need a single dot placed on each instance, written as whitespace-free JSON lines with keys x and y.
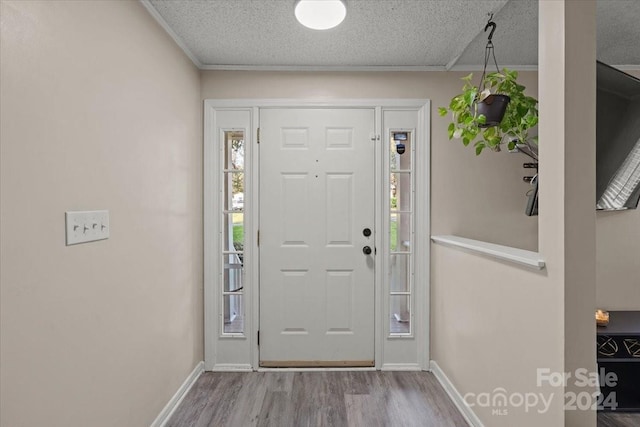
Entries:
{"x":320,"y":14}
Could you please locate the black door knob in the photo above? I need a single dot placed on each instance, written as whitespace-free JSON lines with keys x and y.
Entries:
{"x":366,"y":250}
{"x":366,"y":232}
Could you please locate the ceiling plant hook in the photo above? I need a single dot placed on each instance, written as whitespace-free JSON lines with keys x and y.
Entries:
{"x":489,"y":51}
{"x":491,"y":24}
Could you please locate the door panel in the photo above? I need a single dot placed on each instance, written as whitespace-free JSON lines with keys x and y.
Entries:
{"x":316,"y":197}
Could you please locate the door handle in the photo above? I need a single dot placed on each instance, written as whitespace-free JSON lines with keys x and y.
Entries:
{"x":366,"y":232}
{"x":366,"y":250}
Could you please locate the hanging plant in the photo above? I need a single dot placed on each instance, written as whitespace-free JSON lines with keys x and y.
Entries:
{"x":495,"y":112}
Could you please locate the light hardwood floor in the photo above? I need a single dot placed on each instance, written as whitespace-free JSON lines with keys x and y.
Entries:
{"x":347,"y":398}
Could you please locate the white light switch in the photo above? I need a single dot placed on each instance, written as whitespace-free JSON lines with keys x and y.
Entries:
{"x":86,"y":226}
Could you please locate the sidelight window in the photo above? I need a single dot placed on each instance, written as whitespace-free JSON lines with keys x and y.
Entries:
{"x":401,"y":232}
{"x":232,"y":232}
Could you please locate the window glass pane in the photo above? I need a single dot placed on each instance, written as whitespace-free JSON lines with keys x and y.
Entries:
{"x":400,"y":232}
{"x":234,"y":191}
{"x":234,"y":150}
{"x":400,"y":273}
{"x":400,"y":191}
{"x":400,"y":322}
{"x":233,"y":272}
{"x":400,"y":143}
{"x":232,"y":236}
{"x":233,"y":314}
{"x":233,"y":231}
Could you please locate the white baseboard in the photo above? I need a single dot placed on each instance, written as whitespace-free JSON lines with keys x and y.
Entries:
{"x":174,"y":402}
{"x":455,"y":396}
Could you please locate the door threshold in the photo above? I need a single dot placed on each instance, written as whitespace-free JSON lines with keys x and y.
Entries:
{"x":326,"y":369}
{"x":317,"y":363}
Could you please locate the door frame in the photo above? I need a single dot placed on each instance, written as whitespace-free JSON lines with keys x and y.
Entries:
{"x":241,"y":353}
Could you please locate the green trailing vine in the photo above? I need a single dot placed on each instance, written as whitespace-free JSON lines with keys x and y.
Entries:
{"x":521,"y":114}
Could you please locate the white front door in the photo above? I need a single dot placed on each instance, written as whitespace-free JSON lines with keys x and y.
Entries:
{"x":317,"y":189}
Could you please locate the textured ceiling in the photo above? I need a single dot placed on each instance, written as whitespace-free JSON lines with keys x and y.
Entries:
{"x":430,"y":34}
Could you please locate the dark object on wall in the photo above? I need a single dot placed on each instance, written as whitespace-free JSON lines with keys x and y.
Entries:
{"x":617,"y":139}
{"x":399,"y":137}
{"x":532,"y":201}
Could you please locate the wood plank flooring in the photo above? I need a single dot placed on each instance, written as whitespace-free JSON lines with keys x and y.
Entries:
{"x":609,"y":419}
{"x":327,"y":399}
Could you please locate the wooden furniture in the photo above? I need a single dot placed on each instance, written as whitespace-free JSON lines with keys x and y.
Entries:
{"x":618,"y":350}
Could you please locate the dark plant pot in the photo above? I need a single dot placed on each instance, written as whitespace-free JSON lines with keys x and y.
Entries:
{"x":493,"y":108}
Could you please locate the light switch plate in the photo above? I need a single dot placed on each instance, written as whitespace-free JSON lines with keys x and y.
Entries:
{"x":86,"y":226}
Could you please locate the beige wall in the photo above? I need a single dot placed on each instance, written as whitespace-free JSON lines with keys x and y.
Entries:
{"x":100,"y":110}
{"x":493,"y":325}
{"x":486,"y":193}
{"x":617,"y":267}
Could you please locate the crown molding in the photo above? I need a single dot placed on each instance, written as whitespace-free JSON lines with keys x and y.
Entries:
{"x":176,"y":38}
